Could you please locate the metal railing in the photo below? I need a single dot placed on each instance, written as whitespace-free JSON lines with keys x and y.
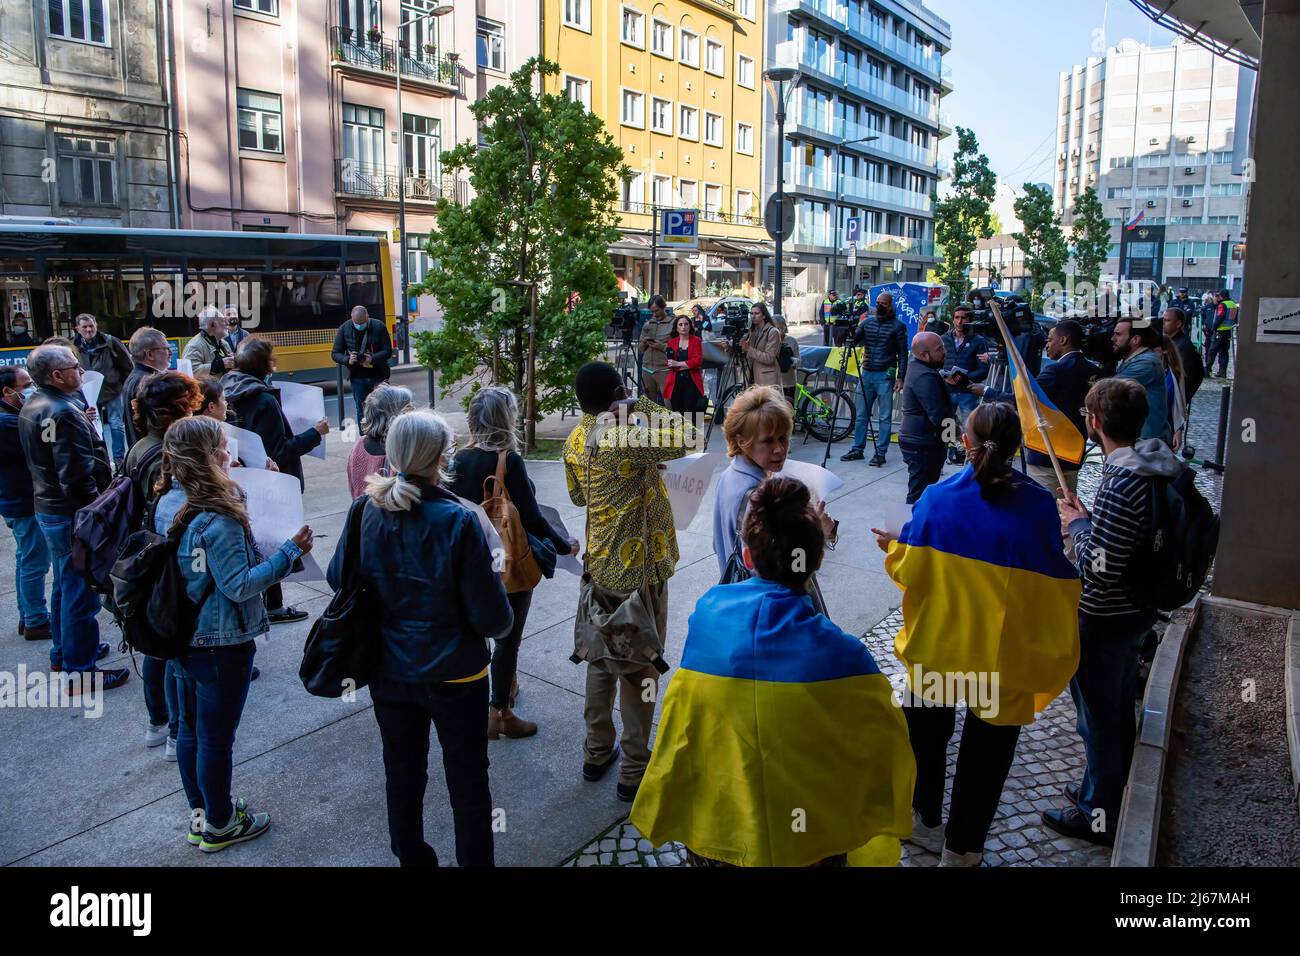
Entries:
{"x":857,"y":187}
{"x":381,"y":182}
{"x":848,"y":130}
{"x":708,"y":215}
{"x":822,"y":235}
{"x":863,"y":83}
{"x":371,"y":51}
{"x":865,"y":31}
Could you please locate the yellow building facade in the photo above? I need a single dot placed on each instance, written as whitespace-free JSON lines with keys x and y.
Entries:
{"x":679,"y":84}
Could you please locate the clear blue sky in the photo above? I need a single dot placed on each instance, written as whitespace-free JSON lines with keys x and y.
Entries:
{"x":1006,"y":59}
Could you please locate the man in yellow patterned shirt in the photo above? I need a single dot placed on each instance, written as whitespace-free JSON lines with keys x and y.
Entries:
{"x":627,"y":510}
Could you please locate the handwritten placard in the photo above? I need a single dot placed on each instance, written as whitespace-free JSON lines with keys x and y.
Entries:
{"x":687,"y":481}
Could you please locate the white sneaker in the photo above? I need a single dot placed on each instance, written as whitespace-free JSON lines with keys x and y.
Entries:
{"x":195,"y":836}
{"x":927,"y":838}
{"x":170,"y":752}
{"x":155,"y":736}
{"x":950,"y":858}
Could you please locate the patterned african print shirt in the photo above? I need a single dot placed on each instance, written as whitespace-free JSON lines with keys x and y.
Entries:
{"x":624,"y":481}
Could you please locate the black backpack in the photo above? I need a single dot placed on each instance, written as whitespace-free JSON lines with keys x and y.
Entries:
{"x":101,"y":528}
{"x":1176,"y":558}
{"x":154,"y":610}
{"x":785,"y":357}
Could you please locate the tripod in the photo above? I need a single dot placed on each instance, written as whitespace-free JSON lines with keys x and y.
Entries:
{"x":851,"y":351}
{"x":999,"y":379}
{"x":733,"y":378}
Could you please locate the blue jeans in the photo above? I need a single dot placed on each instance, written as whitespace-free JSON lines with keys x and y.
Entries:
{"x":879,"y":389}
{"x":29,"y":570}
{"x":161,"y":680}
{"x":361,"y":389}
{"x":965,"y":403}
{"x":114,"y":431}
{"x":1105,"y":691}
{"x":73,"y":605}
{"x":213,"y":687}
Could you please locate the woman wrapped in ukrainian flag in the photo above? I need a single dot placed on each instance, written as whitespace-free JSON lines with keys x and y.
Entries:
{"x":990,"y":616}
{"x":779,"y":744}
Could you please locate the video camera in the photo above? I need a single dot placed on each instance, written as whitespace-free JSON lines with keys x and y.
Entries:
{"x":1016,"y":313}
{"x":625,"y":316}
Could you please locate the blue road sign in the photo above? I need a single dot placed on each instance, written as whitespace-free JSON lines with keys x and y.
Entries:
{"x":678,"y":228}
{"x":853,"y":229}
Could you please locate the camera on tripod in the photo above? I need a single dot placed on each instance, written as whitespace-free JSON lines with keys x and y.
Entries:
{"x":735,"y":326}
{"x":625,"y":315}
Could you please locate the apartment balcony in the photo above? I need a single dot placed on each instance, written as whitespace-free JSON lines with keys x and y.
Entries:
{"x":382,"y":183}
{"x":862,"y":83}
{"x":372,"y":54}
{"x":821,"y":125}
{"x":855,"y":188}
{"x":862,"y":30}
{"x":706,"y":215}
{"x":820,"y":235}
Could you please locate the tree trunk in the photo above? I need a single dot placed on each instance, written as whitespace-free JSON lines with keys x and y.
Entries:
{"x":519,"y":360}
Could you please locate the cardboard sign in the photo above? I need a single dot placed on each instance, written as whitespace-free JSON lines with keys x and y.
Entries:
{"x":688,"y":480}
{"x":304,"y":406}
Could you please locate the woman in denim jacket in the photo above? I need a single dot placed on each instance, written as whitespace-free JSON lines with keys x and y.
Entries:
{"x":226,"y":580}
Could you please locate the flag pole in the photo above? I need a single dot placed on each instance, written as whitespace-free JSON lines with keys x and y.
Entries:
{"x":1018,"y":362}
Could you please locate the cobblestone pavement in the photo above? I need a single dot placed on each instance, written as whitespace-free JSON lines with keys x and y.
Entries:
{"x":1049,"y":756}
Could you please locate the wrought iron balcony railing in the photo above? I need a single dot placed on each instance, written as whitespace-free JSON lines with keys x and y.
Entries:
{"x":708,"y":215}
{"x":382,"y":182}
{"x":371,"y":51}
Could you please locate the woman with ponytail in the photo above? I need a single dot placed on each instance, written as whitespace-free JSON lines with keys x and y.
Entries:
{"x":424,"y":557}
{"x":226,"y":580}
{"x":776,"y":710}
{"x":990,"y":616}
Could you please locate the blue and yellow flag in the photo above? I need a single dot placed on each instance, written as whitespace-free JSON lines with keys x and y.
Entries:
{"x":990,"y":603}
{"x":779,"y":744}
{"x":1066,"y":440}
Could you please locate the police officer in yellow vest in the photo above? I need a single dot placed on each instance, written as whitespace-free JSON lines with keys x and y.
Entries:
{"x":832,"y":309}
{"x":1225,"y":320}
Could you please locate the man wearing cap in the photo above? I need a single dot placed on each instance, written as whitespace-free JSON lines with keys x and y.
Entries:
{"x":1134,"y":341}
{"x":1225,"y":318}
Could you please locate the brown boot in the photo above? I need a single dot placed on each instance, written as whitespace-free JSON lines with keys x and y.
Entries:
{"x":502,"y":721}
{"x":514,"y":690}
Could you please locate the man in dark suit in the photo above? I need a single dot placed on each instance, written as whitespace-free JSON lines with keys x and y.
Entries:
{"x":1175,"y":326}
{"x":1065,"y":382}
{"x":928,"y":415}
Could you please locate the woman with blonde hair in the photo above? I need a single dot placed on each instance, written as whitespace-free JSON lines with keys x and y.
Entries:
{"x":423,"y":556}
{"x":494,"y":450}
{"x":227,"y":586}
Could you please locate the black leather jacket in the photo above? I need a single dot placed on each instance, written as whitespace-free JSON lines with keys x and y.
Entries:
{"x":70,"y":470}
{"x":885,"y":341}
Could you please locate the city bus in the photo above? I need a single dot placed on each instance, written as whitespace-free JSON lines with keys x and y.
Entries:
{"x":295,"y":289}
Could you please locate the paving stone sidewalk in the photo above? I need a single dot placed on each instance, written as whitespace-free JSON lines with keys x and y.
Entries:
{"x":1048,"y":756}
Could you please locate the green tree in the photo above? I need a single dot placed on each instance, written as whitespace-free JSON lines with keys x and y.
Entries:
{"x":964,"y":217}
{"x":546,"y":185}
{"x":1090,"y":236}
{"x":1042,"y":241}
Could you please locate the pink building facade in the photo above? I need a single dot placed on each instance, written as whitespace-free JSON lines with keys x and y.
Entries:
{"x":288,"y":109}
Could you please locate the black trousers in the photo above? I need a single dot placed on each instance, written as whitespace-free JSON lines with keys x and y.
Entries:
{"x":404,"y":713}
{"x":505,"y":653}
{"x":924,"y":466}
{"x":984,"y":759}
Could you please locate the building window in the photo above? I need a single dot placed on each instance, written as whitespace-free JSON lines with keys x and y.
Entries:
{"x":87,"y":171}
{"x":661,"y":38}
{"x":633,"y":190}
{"x":688,"y":195}
{"x":360,"y":16}
{"x":746,"y":8}
{"x":744,"y":204}
{"x":418,"y":262}
{"x":714,"y":57}
{"x":1188,"y":192}
{"x":688,"y":123}
{"x":633,"y":108}
{"x":578,"y":90}
{"x":690,"y":48}
{"x":1225,"y":189}
{"x":712,"y":199}
{"x":1223,"y":157}
{"x":713,"y":129}
{"x":1118,"y":192}
{"x":745,"y":71}
{"x":1121,"y":162}
{"x":745,"y":139}
{"x":661,"y":190}
{"x":1153,"y":159}
{"x":84,"y":20}
{"x":1225,"y":220}
{"x":633,"y":27}
{"x":1151,"y":192}
{"x":577,"y":13}
{"x":271,"y":7}
{"x":363,"y":143}
{"x":259,"y":121}
{"x":422,"y":150}
{"x":661,"y":116}
{"x":491,"y":46}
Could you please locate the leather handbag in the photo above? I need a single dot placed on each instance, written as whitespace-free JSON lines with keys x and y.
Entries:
{"x":519,"y":570}
{"x":339,"y":656}
{"x":615,"y":629}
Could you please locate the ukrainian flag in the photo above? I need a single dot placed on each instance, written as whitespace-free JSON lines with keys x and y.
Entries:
{"x":987,"y":592}
{"x":1066,"y":440}
{"x":780,"y":743}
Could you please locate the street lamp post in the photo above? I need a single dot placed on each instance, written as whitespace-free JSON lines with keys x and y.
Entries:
{"x":839,"y":198}
{"x":441,"y":10}
{"x":778,"y":78}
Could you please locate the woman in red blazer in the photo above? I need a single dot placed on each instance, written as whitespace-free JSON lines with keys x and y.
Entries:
{"x":685,"y":354}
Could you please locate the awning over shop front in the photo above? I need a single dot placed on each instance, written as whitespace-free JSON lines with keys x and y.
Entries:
{"x":744,"y":247}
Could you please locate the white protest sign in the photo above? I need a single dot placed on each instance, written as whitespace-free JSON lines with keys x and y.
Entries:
{"x":565,"y":562}
{"x":820,"y":482}
{"x":897,"y":514}
{"x":246,"y":446}
{"x":185,"y":366}
{"x":92,"y":383}
{"x":687,"y":480}
{"x":274,"y":505}
{"x":304,"y":406}
{"x":311,"y":571}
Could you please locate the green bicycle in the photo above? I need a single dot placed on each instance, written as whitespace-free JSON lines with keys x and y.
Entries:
{"x":826,"y":414}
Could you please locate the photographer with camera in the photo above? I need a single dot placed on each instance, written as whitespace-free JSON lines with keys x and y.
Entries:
{"x":654,"y":356}
{"x":883,"y":339}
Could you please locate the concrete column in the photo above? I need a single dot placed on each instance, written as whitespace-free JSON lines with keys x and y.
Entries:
{"x":1259,"y":550}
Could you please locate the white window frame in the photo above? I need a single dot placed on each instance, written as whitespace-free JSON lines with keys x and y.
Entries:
{"x":656,"y":180}
{"x":498,"y":31}
{"x":704,"y":198}
{"x":739,"y":138}
{"x":681,"y":195}
{"x":255,"y":6}
{"x":721,"y":127}
{"x":736,"y":210}
{"x":688,"y":42}
{"x":585,"y":83}
{"x":105,"y":9}
{"x":635,"y":188}
{"x":669,"y":52}
{"x":741,"y":62}
{"x":261,"y":114}
{"x":667,"y":128}
{"x":746,"y":8}
{"x":622,"y":28}
{"x":682,"y":131}
{"x":623,"y":92}
{"x":709,"y":44}
{"x":583,"y":19}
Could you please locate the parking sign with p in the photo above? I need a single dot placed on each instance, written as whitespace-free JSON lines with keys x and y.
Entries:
{"x":677,"y":228}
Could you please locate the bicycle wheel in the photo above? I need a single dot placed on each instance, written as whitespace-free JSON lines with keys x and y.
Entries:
{"x":829,"y":414}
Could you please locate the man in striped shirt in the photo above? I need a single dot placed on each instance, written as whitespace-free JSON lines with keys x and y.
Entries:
{"x":1108,"y":545}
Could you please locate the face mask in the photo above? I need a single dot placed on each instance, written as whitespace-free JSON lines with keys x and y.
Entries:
{"x":20,"y":330}
{"x":28,"y":392}
{"x":359,"y":326}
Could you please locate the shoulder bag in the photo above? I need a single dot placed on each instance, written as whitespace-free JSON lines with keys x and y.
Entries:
{"x":340,"y":652}
{"x":519,"y":570}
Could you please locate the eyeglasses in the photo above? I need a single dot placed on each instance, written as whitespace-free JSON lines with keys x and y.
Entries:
{"x":66,"y":368}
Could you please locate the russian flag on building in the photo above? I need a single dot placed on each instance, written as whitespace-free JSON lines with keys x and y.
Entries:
{"x":1132,"y":223}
